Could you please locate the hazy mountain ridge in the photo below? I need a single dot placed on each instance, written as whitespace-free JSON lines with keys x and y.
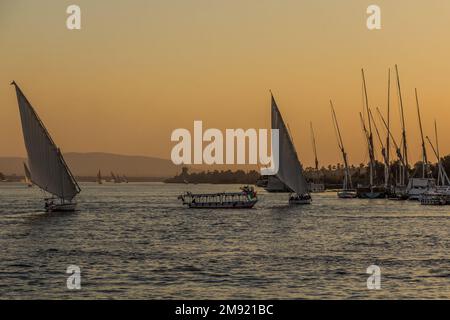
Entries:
{"x":88,"y":164}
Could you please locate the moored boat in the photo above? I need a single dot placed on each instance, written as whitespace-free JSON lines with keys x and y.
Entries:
{"x":418,"y":186}
{"x":374,"y":192}
{"x":347,"y":194}
{"x":440,"y":194}
{"x":347,"y":191}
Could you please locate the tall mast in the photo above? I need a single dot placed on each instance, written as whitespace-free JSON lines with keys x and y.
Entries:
{"x":437,"y":142}
{"x":367,"y":135}
{"x":370,"y":135}
{"x":316,"y":161}
{"x":404,"y":143}
{"x":348,"y":178}
{"x":387,"y":169}
{"x":424,"y":149}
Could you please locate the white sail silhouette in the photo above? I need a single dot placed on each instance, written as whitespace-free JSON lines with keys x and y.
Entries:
{"x":48,"y":169}
{"x":290,"y":170}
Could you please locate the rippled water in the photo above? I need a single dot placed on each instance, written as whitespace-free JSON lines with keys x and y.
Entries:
{"x":136,"y":241}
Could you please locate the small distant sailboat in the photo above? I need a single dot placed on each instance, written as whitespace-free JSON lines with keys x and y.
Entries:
{"x":290,"y":171}
{"x":443,"y":181}
{"x":347,"y":188}
{"x":114,"y":178}
{"x":440,"y":194}
{"x":99,"y":177}
{"x":48,"y":170}
{"x":371,"y":191}
{"x":27,"y":175}
{"x":417,"y":186}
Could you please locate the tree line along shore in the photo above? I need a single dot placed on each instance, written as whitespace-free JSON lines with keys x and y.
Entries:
{"x":330,"y":175}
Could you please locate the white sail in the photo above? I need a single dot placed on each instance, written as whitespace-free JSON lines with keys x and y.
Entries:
{"x":290,"y":170}
{"x":47,"y":166}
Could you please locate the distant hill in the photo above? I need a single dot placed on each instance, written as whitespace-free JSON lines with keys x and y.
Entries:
{"x":88,"y":164}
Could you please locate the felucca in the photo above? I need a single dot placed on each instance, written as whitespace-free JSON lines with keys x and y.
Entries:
{"x":290,"y":171}
{"x":48,"y":169}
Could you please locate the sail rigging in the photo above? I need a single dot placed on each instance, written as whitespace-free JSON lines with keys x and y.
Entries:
{"x":397,"y":147}
{"x":48,"y":169}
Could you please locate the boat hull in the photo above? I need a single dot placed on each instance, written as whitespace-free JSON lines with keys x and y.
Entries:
{"x":224,"y":205}
{"x":397,"y":193}
{"x":419,"y":186}
{"x":347,"y":194}
{"x":371,"y":193}
{"x":61,"y":207}
{"x":299,"y":201}
{"x":435,"y":198}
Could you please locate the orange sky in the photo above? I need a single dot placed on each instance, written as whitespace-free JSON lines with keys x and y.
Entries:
{"x":139,"y":69}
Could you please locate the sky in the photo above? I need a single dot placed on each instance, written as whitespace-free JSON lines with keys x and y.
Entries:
{"x":139,"y":69}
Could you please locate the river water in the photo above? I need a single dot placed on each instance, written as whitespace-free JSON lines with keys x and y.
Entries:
{"x":136,"y":241}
